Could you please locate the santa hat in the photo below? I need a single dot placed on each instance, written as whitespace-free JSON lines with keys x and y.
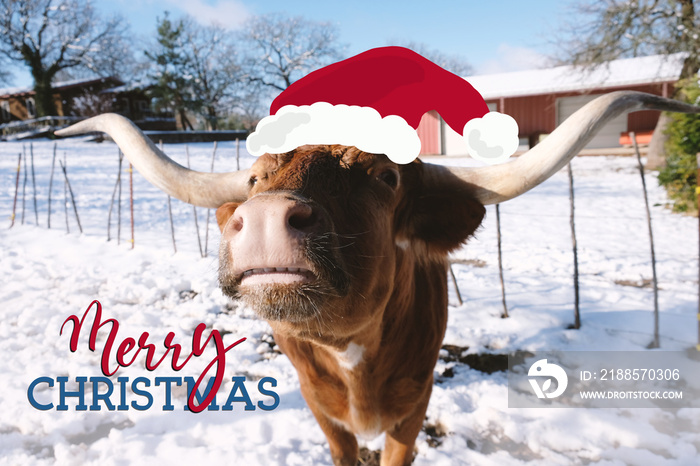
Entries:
{"x":375,"y":101}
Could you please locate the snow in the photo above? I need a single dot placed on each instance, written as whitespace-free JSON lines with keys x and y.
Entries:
{"x":48,"y":275}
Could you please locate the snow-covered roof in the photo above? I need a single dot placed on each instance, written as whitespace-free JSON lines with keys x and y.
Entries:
{"x":129,"y":87}
{"x":58,"y":85}
{"x":617,"y":73}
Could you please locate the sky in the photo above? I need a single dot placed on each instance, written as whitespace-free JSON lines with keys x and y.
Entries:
{"x":493,"y":36}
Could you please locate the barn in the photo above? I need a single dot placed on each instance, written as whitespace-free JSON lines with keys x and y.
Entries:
{"x":541,"y":99}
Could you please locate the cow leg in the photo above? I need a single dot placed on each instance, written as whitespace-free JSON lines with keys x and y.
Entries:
{"x":400,"y":440}
{"x":343,"y":444}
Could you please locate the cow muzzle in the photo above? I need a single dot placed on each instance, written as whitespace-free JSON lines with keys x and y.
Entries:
{"x":279,"y":247}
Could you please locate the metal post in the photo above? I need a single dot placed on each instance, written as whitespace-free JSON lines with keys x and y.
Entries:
{"x":577,"y":314}
{"x":655,"y":343}
{"x":206,"y":227}
{"x":194,"y":210}
{"x":500,"y":262}
{"x":454,"y":282}
{"x":131,"y":202}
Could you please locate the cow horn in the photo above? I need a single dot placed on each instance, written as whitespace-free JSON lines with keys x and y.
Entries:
{"x":499,"y":183}
{"x":198,"y":188}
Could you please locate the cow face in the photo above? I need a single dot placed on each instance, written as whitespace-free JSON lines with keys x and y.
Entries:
{"x":318,"y":243}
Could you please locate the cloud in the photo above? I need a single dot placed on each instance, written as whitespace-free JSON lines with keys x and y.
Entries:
{"x":512,"y":58}
{"x":227,"y":13}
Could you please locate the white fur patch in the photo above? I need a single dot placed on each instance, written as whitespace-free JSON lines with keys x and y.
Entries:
{"x":351,"y":357}
{"x":403,"y":244}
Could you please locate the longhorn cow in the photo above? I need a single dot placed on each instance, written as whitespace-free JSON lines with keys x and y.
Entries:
{"x":344,"y":253}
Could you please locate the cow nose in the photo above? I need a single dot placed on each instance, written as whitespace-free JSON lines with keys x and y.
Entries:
{"x":276,"y":214}
{"x":302,"y":217}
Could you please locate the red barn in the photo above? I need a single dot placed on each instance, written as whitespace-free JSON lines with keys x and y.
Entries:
{"x":541,"y":99}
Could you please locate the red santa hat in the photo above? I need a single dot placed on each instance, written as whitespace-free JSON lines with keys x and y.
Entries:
{"x":374,"y":101}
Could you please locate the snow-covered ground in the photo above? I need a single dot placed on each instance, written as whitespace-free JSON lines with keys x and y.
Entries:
{"x":47,"y":275}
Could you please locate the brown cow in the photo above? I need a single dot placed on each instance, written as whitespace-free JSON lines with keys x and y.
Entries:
{"x":344,"y":253}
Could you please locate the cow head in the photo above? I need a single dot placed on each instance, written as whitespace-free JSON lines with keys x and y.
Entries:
{"x":314,"y":245}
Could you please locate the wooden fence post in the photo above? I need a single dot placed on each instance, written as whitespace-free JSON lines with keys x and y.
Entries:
{"x":53,"y":165}
{"x":14,"y":203}
{"x":31,"y":158}
{"x":72,"y":197}
{"x":24,"y":183}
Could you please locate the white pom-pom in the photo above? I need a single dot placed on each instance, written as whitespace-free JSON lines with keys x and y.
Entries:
{"x":493,"y":138}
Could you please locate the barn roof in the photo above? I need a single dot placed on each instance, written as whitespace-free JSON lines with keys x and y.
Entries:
{"x":617,"y":73}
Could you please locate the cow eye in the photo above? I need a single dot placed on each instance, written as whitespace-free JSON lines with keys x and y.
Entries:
{"x":390,"y":177}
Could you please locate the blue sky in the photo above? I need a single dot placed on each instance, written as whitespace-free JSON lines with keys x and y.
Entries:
{"x":493,"y":36}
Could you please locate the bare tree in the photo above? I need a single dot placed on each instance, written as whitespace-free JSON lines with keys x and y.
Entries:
{"x":603,"y":30}
{"x":284,"y":49}
{"x":5,"y":75}
{"x":212,"y":60}
{"x":454,"y":63}
{"x":53,"y":35}
{"x":90,"y":103}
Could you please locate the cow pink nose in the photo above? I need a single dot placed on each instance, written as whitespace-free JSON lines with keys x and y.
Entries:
{"x":275,"y":214}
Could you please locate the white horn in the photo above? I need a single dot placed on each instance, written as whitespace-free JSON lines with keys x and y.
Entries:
{"x":499,"y":183}
{"x":197,"y":188}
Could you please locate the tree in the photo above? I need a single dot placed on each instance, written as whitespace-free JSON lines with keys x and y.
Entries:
{"x":284,"y":49}
{"x":173,"y":88}
{"x":197,"y":70}
{"x":49,"y":36}
{"x":211,"y":58}
{"x":679,"y":176}
{"x":454,"y":63}
{"x":603,"y":30}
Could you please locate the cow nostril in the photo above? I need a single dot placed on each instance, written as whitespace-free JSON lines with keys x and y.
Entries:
{"x":303,"y":219}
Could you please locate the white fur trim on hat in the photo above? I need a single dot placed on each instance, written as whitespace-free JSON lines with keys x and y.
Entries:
{"x":493,"y":138}
{"x":323,"y":123}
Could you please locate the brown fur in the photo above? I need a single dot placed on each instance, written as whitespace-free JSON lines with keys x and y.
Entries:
{"x":391,"y":241}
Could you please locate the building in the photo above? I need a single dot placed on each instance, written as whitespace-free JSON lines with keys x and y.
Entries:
{"x":17,"y":104}
{"x":79,"y":98}
{"x":540,"y":100}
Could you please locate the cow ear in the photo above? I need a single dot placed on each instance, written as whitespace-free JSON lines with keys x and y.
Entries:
{"x":224,"y":212}
{"x":439,"y":211}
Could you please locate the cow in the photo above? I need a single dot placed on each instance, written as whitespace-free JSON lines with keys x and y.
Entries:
{"x":345,"y":254}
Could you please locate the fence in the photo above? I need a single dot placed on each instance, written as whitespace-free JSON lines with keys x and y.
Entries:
{"x":26,"y":169}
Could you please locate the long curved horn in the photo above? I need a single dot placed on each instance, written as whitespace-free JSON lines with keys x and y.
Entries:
{"x":197,"y":188}
{"x":499,"y":183}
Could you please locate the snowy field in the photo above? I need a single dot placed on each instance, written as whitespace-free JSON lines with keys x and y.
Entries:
{"x":47,"y":275}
